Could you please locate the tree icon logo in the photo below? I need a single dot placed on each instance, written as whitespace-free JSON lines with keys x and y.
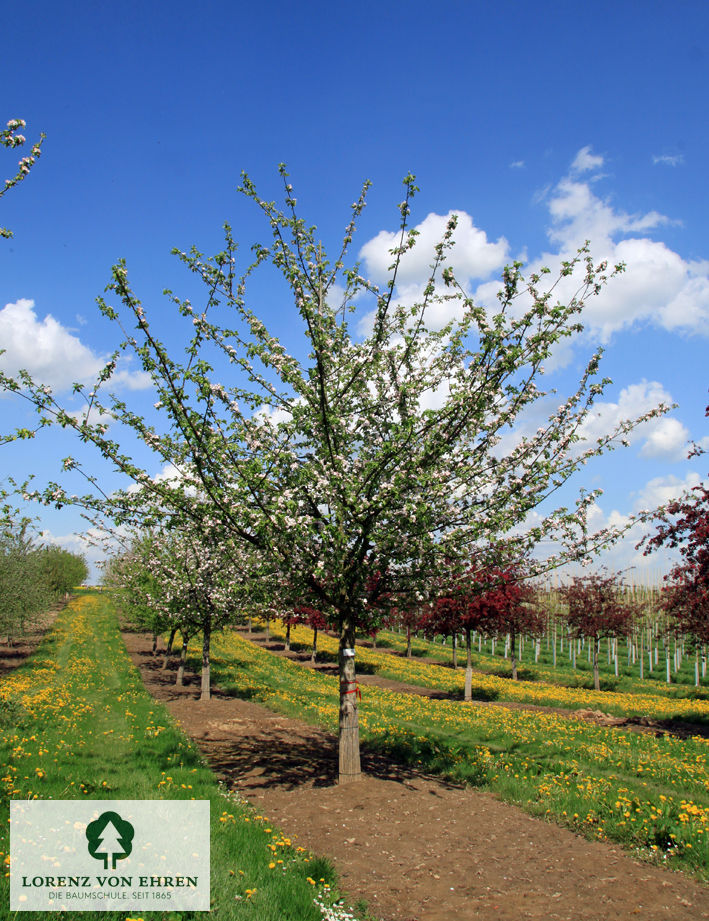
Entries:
{"x":110,"y":839}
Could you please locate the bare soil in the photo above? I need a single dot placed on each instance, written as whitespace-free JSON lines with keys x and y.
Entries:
{"x":13,"y":656}
{"x":414,"y":847}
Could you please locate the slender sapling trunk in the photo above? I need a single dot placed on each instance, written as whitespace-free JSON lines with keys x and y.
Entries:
{"x":180,"y":680}
{"x":596,"y":673}
{"x":168,"y":650}
{"x":468,"y":695}
{"x":206,"y":642}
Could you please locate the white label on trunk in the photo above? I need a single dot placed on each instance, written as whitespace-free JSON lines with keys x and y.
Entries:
{"x":348,"y":652}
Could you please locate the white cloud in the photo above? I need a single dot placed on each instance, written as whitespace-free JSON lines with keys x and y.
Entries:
{"x":624,"y":556}
{"x":517,"y":164}
{"x":45,"y":348}
{"x":667,"y":439}
{"x":578,"y":214}
{"x":658,"y":287}
{"x":131,"y":380}
{"x":668,"y":160}
{"x":92,"y":416}
{"x":473,"y":255}
{"x":50,"y":353}
{"x":661,"y":490}
{"x":662,"y":437}
{"x":585,"y":160}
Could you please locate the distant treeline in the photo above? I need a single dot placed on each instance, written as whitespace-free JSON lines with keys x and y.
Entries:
{"x":32,"y":577}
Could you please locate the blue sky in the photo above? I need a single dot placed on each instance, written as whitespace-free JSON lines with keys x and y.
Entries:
{"x":541,"y":124}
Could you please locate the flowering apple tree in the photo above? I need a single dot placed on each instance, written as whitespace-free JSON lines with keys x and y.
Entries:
{"x":11,"y":138}
{"x":357,"y":465}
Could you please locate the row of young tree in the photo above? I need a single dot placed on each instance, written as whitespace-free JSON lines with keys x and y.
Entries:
{"x":32,"y":578}
{"x":592,"y":618}
{"x":167,"y":583}
{"x":363,"y":464}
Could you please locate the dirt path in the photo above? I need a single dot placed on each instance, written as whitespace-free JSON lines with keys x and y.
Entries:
{"x":13,"y":656}
{"x":415,"y":848}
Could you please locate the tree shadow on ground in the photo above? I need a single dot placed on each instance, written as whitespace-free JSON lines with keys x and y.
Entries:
{"x":257,"y":749}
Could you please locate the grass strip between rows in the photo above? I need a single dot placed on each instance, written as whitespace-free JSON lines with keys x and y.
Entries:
{"x":77,"y":722}
{"x":492,"y":687}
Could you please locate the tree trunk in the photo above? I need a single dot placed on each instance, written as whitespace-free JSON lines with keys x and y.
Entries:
{"x":180,"y":680}
{"x":455,"y":650}
{"x":596,"y":674}
{"x":168,"y":650}
{"x":171,"y":640}
{"x":288,"y":637}
{"x":468,"y":695}
{"x":349,"y":762}
{"x":206,"y":642}
{"x":408,"y":642}
{"x":513,"y":653}
{"x":315,"y":644}
{"x":155,"y":644}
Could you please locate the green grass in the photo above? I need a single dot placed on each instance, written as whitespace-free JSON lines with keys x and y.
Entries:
{"x":490,"y":687}
{"x":77,"y":722}
{"x":651,"y":794}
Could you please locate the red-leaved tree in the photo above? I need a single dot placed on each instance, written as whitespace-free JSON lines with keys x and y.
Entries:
{"x":684,"y":526}
{"x":598,"y":607}
{"x":492,"y":601}
{"x":410,"y":615}
{"x":511,"y":606}
{"x":309,"y":617}
{"x":443,"y":618}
